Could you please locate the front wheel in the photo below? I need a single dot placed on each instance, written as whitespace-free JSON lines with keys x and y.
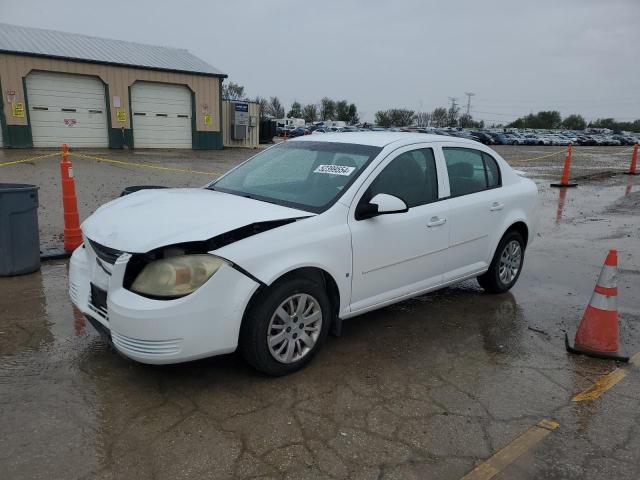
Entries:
{"x":506,"y":264}
{"x":285,"y":326}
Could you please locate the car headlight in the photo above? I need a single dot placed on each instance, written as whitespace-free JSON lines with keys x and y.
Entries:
{"x":176,"y":276}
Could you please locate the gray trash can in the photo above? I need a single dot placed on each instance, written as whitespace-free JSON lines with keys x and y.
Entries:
{"x":19,"y":237}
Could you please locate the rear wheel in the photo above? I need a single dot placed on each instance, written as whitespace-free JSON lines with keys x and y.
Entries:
{"x":506,"y":264}
{"x":285,"y":326}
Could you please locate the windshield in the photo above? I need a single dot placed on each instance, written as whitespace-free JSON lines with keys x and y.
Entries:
{"x":306,"y":175}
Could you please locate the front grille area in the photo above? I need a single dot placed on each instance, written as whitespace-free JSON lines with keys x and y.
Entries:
{"x":109,"y":255}
{"x":147,"y":347}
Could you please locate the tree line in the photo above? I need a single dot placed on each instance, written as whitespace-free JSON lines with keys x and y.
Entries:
{"x":329,"y":109}
{"x":439,"y":117}
{"x":552,"y":120}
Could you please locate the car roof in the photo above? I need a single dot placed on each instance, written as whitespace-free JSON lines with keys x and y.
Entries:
{"x":382,"y":139}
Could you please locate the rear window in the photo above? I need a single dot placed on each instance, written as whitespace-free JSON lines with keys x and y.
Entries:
{"x":470,"y":171}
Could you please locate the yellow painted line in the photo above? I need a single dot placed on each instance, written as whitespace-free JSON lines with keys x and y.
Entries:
{"x":29,"y":159}
{"x":604,"y":383}
{"x":144,"y":165}
{"x":505,"y":457}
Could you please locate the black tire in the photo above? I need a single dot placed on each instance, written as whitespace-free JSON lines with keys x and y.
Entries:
{"x":254,"y":331}
{"x":490,"y":281}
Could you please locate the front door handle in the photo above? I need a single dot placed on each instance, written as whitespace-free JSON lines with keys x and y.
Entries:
{"x":497,"y":206}
{"x":435,"y":221}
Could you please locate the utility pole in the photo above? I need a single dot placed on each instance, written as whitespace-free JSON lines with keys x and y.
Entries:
{"x":453,"y":110}
{"x":469,"y":95}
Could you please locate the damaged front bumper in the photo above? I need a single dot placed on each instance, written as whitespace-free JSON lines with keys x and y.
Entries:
{"x":204,"y":323}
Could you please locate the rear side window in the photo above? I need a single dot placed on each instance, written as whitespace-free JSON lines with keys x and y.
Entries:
{"x":470,"y":171}
{"x":493,"y":171}
{"x":410,"y":176}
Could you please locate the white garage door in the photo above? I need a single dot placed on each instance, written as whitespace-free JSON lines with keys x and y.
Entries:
{"x":67,"y":109}
{"x":161,"y":115}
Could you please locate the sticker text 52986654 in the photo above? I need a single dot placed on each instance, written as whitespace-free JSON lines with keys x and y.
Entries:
{"x":335,"y":169}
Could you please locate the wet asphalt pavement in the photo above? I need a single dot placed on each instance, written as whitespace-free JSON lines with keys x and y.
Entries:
{"x":427,"y":388}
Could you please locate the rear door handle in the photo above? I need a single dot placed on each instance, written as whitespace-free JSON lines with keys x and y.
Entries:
{"x":497,"y":206}
{"x":435,"y":221}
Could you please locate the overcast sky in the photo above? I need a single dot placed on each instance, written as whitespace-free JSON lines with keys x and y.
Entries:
{"x":517,"y":56}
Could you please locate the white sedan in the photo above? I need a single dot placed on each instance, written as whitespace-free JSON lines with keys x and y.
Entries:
{"x":279,"y":251}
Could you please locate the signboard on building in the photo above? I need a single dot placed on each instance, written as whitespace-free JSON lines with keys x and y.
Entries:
{"x":207,"y":119}
{"x":17,"y":110}
{"x":241,"y":111}
{"x":121,"y":113}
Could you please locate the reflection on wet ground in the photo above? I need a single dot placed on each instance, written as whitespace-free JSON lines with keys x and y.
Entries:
{"x":426,"y":388}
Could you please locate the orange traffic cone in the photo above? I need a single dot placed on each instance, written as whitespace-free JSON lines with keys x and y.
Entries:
{"x":72,"y":233}
{"x":633,"y":167}
{"x":598,"y":334}
{"x":564,"y":181}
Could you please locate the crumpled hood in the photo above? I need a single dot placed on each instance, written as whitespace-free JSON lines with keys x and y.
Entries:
{"x":149,"y":219}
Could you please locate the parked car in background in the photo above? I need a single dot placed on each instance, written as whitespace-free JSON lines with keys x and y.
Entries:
{"x":517,"y":139}
{"x":298,"y":132}
{"x":500,"y":138}
{"x":484,"y":138}
{"x":533,"y":139}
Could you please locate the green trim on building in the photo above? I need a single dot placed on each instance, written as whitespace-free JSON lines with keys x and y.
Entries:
{"x":220,"y":112}
{"x":206,"y":140}
{"x":107,"y":96}
{"x":3,"y":121}
{"x":203,"y":140}
{"x":18,"y":136}
{"x":120,"y":138}
{"x":28,"y":133}
{"x":130,"y":139}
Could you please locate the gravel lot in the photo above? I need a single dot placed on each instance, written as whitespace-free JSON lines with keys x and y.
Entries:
{"x":425,"y":389}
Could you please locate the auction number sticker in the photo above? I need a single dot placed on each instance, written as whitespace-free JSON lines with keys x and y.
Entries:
{"x":335,"y":169}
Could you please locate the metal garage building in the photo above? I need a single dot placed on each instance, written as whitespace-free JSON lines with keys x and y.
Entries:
{"x":93,"y":92}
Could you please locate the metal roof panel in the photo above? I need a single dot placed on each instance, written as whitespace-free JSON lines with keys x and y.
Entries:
{"x":52,"y":43}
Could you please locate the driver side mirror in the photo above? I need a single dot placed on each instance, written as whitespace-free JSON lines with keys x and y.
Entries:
{"x":381,"y":204}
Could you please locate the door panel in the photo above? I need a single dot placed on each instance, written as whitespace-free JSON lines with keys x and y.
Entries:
{"x":475,"y":210}
{"x":398,"y":254}
{"x":66,"y":108}
{"x":161,"y":115}
{"x":401,"y":253}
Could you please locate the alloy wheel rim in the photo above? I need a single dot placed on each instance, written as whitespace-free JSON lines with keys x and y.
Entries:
{"x":510,"y":262}
{"x":294,"y":328}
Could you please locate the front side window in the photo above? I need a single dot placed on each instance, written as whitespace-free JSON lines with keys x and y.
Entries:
{"x":470,"y":171}
{"x":411,"y":176}
{"x":305,"y":175}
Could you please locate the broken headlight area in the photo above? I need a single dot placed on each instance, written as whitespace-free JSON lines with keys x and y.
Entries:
{"x":170,"y":273}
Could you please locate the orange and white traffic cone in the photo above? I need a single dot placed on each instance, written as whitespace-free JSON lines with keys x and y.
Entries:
{"x":598,"y":334}
{"x":633,"y":167}
{"x":564,"y":181}
{"x":72,"y":233}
